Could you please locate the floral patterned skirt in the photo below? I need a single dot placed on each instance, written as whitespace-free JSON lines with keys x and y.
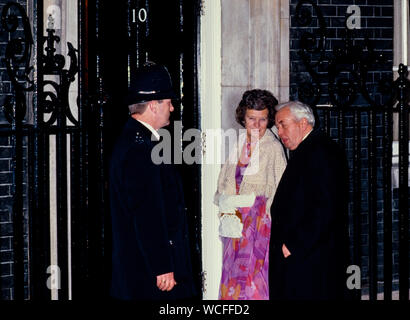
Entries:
{"x":246,"y":260}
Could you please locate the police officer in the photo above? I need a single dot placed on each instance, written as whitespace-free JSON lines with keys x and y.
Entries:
{"x":150,"y":246}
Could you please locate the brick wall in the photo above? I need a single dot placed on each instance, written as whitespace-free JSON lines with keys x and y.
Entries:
{"x":6,"y":181}
{"x":377,"y":25}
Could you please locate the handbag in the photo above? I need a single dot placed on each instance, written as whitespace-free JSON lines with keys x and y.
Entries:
{"x":230,"y":225}
{"x":230,"y":218}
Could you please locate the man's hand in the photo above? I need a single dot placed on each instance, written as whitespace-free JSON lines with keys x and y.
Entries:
{"x":286,"y":252}
{"x":165,"y":282}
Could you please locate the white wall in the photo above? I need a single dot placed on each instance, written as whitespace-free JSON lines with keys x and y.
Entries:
{"x":255,"y":51}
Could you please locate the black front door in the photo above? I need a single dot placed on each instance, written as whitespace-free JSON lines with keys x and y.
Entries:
{"x":130,"y":33}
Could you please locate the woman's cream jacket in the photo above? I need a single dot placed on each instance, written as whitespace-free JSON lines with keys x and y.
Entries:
{"x":263,"y":173}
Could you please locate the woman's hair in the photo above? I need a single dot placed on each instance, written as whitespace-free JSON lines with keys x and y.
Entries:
{"x":256,"y":99}
{"x":299,"y":110}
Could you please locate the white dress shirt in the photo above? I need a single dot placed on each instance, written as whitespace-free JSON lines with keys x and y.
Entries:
{"x":154,"y":132}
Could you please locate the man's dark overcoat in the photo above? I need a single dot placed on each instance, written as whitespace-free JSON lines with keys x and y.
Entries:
{"x":149,"y":226}
{"x":309,"y":216}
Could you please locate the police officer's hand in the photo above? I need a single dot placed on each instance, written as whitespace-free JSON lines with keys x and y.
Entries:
{"x":165,"y":282}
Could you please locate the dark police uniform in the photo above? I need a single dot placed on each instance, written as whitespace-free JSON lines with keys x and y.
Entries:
{"x":149,"y":226}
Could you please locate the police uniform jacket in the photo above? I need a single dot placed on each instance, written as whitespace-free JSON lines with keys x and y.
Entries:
{"x":149,"y":226}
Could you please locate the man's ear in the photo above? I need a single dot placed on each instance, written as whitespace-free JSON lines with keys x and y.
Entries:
{"x":304,"y":123}
{"x":153,"y":106}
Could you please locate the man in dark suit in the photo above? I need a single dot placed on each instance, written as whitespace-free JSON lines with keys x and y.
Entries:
{"x":150,"y":245}
{"x":308,"y":246}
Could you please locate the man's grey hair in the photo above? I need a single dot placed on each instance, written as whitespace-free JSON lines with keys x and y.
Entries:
{"x":299,"y":110}
{"x":140,"y":107}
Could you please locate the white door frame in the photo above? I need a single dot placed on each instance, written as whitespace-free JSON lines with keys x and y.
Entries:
{"x":210,"y":102}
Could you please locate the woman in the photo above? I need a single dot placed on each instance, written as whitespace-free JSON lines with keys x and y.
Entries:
{"x":258,"y":170}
